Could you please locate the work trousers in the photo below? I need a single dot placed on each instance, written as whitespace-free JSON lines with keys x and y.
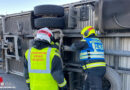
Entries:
{"x":94,"y":78}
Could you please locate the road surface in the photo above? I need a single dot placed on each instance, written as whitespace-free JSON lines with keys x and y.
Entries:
{"x":12,"y":82}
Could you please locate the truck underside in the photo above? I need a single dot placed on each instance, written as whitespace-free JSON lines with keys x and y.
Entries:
{"x":16,"y":36}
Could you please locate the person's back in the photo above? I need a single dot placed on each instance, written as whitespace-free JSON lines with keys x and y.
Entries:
{"x":94,"y":54}
{"x":39,"y":63}
{"x":44,"y":66}
{"x":91,"y":58}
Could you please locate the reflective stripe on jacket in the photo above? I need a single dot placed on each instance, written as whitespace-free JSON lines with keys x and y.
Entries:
{"x":94,"y":52}
{"x":39,"y":67}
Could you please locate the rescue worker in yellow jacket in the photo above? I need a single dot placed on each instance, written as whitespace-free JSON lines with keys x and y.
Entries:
{"x":43,"y":64}
{"x":91,"y":58}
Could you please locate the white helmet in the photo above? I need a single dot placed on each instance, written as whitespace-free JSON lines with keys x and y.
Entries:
{"x":44,"y":34}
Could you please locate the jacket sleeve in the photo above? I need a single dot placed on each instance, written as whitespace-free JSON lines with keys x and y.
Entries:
{"x":55,"y":44}
{"x":57,"y":72}
{"x":78,"y":45}
{"x":26,"y":75}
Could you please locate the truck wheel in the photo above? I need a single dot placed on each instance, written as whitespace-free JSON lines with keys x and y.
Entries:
{"x":50,"y":22}
{"x":49,"y":10}
{"x":113,"y":79}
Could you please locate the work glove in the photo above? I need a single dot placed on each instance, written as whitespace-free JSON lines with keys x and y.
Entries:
{"x":28,"y":84}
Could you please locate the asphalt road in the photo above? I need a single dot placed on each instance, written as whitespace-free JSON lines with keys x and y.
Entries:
{"x":12,"y":82}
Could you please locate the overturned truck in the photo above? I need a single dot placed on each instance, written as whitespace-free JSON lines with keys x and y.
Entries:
{"x":111,"y":23}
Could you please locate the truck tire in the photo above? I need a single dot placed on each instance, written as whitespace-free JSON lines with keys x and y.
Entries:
{"x":50,"y":22}
{"x":49,"y":10}
{"x":113,"y":77}
{"x":32,"y":20}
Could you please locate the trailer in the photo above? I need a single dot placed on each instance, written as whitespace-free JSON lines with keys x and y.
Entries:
{"x":16,"y":36}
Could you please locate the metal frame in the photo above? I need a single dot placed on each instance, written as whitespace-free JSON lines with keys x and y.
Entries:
{"x":7,"y":57}
{"x":16,"y":72}
{"x":80,"y":3}
{"x":15,"y":37}
{"x":17,"y":14}
{"x":61,"y":35}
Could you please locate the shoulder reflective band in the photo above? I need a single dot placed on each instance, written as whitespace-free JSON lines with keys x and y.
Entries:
{"x":92,"y":65}
{"x":47,"y":63}
{"x":62,"y":84}
{"x":52,"y":43}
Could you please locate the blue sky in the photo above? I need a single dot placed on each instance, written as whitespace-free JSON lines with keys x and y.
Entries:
{"x":16,"y":6}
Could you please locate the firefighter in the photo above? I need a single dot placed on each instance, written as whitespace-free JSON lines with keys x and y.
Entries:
{"x":91,"y":58}
{"x":43,"y":65}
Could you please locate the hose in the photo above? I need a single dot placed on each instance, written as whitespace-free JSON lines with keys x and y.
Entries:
{"x":118,"y":23}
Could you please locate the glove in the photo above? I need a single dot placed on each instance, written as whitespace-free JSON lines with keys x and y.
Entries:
{"x":28,"y":84}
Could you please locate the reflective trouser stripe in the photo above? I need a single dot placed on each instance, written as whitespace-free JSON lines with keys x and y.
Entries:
{"x":92,"y":65}
{"x":62,"y":84}
{"x":47,"y":63}
{"x":28,"y":81}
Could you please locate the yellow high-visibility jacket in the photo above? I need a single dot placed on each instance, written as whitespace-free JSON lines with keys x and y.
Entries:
{"x":39,"y":67}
